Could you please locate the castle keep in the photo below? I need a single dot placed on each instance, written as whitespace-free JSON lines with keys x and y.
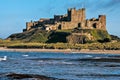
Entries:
{"x":73,"y":19}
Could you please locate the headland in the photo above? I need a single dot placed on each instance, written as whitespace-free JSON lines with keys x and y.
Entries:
{"x":71,"y":32}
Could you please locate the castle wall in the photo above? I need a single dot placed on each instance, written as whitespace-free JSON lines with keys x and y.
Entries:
{"x":102,"y":19}
{"x":99,"y":23}
{"x":52,"y":27}
{"x":88,"y":24}
{"x":68,"y":25}
{"x":58,"y":18}
{"x":73,"y":19}
{"x":29,"y":25}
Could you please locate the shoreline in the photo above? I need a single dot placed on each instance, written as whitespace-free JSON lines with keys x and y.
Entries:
{"x":62,"y":50}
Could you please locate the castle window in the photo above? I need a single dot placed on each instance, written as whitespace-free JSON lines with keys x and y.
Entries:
{"x":79,"y":25}
{"x":94,"y":25}
{"x":59,"y":27}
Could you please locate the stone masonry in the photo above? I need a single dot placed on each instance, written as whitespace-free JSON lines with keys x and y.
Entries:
{"x":73,"y":19}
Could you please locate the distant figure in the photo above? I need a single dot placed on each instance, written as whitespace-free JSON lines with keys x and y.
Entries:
{"x":3,"y":59}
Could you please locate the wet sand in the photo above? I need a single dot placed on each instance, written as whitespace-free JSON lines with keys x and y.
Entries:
{"x":62,"y":50}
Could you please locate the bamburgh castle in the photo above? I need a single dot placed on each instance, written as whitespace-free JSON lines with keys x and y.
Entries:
{"x":73,"y":19}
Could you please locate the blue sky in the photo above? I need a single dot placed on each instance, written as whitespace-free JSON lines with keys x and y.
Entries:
{"x":15,"y":13}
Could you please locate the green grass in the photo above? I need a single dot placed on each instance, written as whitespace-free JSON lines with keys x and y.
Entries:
{"x":67,"y":31}
{"x":100,"y":34}
{"x":55,"y":37}
{"x":42,"y":36}
{"x":29,"y":45}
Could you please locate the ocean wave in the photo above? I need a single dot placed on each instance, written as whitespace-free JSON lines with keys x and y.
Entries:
{"x":25,"y":55}
{"x":99,"y":75}
{"x":98,"y":59}
{"x":3,"y":58}
{"x":69,"y":63}
{"x":55,"y":62}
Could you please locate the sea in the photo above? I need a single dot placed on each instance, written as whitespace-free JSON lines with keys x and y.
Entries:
{"x":62,"y":66}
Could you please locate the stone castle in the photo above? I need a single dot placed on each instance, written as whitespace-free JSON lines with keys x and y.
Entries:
{"x":73,"y":19}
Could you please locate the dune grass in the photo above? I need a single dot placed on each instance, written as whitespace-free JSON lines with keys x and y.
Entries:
{"x":90,"y":46}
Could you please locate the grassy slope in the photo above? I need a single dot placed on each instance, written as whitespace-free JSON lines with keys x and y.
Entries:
{"x":36,"y":35}
{"x":97,"y":34}
{"x":100,"y":34}
{"x":32,"y":39}
{"x":92,"y":46}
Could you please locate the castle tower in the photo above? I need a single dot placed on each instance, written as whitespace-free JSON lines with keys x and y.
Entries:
{"x":102,"y":19}
{"x":76,"y":15}
{"x":88,"y":24}
{"x":29,"y":25}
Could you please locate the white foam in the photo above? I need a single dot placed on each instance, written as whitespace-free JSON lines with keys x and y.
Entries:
{"x":67,"y":63}
{"x":25,"y":55}
{"x":88,"y":56}
{"x":40,"y":61}
{"x":97,"y":58}
{"x":3,"y":59}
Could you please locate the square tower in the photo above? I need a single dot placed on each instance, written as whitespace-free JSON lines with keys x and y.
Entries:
{"x":76,"y":15}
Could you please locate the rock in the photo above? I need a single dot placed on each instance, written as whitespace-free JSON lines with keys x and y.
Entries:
{"x":28,"y":76}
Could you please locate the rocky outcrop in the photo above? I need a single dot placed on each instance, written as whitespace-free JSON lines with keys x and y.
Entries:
{"x":87,"y":35}
{"x":15,"y":76}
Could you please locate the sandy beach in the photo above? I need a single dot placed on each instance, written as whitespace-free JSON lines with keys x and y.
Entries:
{"x":62,"y":50}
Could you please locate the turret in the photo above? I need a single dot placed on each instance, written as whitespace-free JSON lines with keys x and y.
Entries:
{"x":29,"y":25}
{"x":102,"y":19}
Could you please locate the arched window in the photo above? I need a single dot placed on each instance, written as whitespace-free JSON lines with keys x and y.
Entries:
{"x":79,"y":25}
{"x":94,"y":25}
{"x":59,"y":27}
